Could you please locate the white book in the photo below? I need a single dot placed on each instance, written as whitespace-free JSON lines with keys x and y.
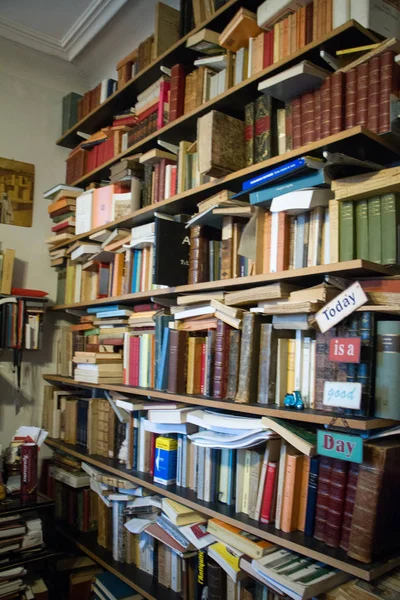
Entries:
{"x":327,"y":240}
{"x":296,"y":203}
{"x":194,"y":312}
{"x":305,"y":376}
{"x":378,"y":15}
{"x":84,"y":251}
{"x":83,"y":216}
{"x":293,"y":82}
{"x":250,"y":57}
{"x":215,"y":62}
{"x":281,"y":371}
{"x":223,"y":480}
{"x":238,"y":75}
{"x":184,"y":460}
{"x":272,"y":11}
{"x":167,"y":181}
{"x":191,"y":532}
{"x":340,"y":12}
{"x":179,"y":461}
{"x":178,"y":415}
{"x":281,"y":483}
{"x":240,"y":461}
{"x":246,"y":482}
{"x":207,"y":475}
{"x":298,"y":358}
{"x":274,"y":243}
{"x":313,"y":355}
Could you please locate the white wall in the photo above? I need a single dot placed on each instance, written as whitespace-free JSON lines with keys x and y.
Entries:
{"x":31,"y":91}
{"x":130,"y":26}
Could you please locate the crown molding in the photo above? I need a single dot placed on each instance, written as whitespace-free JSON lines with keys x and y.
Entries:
{"x":85,"y":28}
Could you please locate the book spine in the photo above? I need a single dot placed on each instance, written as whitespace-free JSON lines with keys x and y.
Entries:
{"x":326,"y":108}
{"x":351,"y":489}
{"x":317,"y":114}
{"x":307,"y":108}
{"x":337,"y":102}
{"x":262,"y":128}
{"x":374,"y":229}
{"x":362,"y":229}
{"x":374,"y":94}
{"x":337,"y":493}
{"x":249,"y":119}
{"x":177,"y":93}
{"x":221,"y":360}
{"x":233,"y":364}
{"x":296,"y":122}
{"x":227,"y":248}
{"x":346,"y":230}
{"x":249,"y":354}
{"x":362,"y":94}
{"x":198,"y":262}
{"x":321,"y":513}
{"x":267,"y":365}
{"x":389,"y":82}
{"x":267,"y":515}
{"x":177,"y":362}
{"x":288,"y":126}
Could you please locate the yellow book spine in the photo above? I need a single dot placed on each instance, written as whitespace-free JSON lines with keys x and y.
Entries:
{"x":291,"y":366}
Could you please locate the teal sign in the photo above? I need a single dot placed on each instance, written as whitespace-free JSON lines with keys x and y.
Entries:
{"x":340,"y":445}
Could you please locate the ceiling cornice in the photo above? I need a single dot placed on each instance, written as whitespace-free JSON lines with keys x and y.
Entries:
{"x":89,"y":24}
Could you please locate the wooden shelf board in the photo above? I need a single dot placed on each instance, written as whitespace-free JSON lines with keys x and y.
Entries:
{"x":122,"y":99}
{"x":21,"y":561}
{"x":359,"y":141}
{"x":305,"y":276}
{"x":295,"y":541}
{"x":131,"y":575}
{"x":15,"y":505}
{"x":316,"y":417}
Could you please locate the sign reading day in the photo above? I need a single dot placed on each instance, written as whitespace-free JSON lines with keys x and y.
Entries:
{"x":340,"y":445}
{"x":341,"y":307}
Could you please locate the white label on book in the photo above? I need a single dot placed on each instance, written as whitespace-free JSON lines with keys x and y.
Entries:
{"x":342,"y":394}
{"x":341,"y":307}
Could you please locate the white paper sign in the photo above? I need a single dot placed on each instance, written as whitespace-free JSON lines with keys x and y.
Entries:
{"x":341,"y":307}
{"x":342,"y":394}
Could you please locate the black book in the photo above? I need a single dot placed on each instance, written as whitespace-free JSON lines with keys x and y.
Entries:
{"x":201,"y":574}
{"x":216,"y":577}
{"x":171,"y":256}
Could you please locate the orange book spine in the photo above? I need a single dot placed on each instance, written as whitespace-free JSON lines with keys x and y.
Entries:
{"x":285,"y":37}
{"x":322,"y":17}
{"x":290,"y":505}
{"x":315,"y":19}
{"x":293,"y":33}
{"x":329,"y":16}
{"x":267,"y":243}
{"x":283,"y":242}
{"x":302,"y":27}
{"x":117,"y":275}
{"x":301,"y":523}
{"x":281,"y":39}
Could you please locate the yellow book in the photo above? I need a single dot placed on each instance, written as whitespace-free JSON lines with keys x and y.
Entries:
{"x":227,"y":557}
{"x":246,"y":482}
{"x":291,"y":365}
{"x":291,"y":492}
{"x":357,"y":49}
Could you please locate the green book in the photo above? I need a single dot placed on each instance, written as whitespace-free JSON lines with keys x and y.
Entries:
{"x":362,"y":229}
{"x":59,"y":218}
{"x":387,"y":378}
{"x":374,"y":229}
{"x":346,"y":230}
{"x":70,"y":110}
{"x":390,"y":220}
{"x":304,"y":440}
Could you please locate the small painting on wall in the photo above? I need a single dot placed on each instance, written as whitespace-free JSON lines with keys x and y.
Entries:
{"x":16,"y":192}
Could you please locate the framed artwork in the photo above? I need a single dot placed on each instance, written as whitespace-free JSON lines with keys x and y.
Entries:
{"x":16,"y":192}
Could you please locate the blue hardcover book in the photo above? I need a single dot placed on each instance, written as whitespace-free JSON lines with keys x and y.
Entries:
{"x":289,"y":169}
{"x":138,"y":271}
{"x":101,"y":309}
{"x":162,"y":371}
{"x":113,"y":587}
{"x":109,"y":314}
{"x":312,"y":496}
{"x":312,"y":179}
{"x":135,"y":267}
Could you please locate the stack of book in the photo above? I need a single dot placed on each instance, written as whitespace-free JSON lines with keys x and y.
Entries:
{"x":62,"y":211}
{"x":12,"y":584}
{"x":93,"y":98}
{"x":98,"y":367}
{"x":21,"y":534}
{"x":21,"y":323}
{"x":151,"y":110}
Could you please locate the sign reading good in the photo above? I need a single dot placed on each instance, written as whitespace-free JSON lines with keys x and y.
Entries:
{"x":341,"y":307}
{"x":345,"y":350}
{"x":342,"y":394}
{"x":340,"y":445}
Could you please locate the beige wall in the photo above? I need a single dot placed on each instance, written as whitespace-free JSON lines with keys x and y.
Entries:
{"x":31,"y":91}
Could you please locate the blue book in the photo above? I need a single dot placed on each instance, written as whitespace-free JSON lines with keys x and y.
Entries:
{"x":113,"y":587}
{"x":101,"y":309}
{"x":312,"y":179}
{"x":121,"y":312}
{"x":162,"y":371}
{"x":138,"y":270}
{"x":294,"y":167}
{"x":312,"y":496}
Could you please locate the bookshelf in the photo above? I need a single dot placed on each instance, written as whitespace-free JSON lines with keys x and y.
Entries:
{"x":307,"y":416}
{"x":304,"y":276}
{"x":348,"y":33}
{"x":296,"y":541}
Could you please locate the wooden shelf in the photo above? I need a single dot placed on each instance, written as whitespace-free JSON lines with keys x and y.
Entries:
{"x":18,"y":561}
{"x":12,"y":505}
{"x":304,"y":277}
{"x":232,"y":100}
{"x":295,"y":541}
{"x":316,"y":417}
{"x":357,"y":141}
{"x":140,"y":581}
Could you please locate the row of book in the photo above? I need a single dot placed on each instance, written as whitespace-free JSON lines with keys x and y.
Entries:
{"x":273,"y":482}
{"x":183,"y":552}
{"x":21,"y":323}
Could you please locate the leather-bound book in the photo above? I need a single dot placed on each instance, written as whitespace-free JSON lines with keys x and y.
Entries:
{"x":374,"y":94}
{"x":309,"y":11}
{"x":249,"y":118}
{"x":263,"y":128}
{"x":198,"y":255}
{"x":296,"y":122}
{"x":389,"y":84}
{"x":216,"y":578}
{"x":351,"y":489}
{"x":375,"y":528}
{"x":227,"y":248}
{"x":337,"y":494}
{"x":220,"y":143}
{"x":288,"y":126}
{"x":282,"y":262}
{"x":351,"y":99}
{"x":177,"y":362}
{"x":307,"y":117}
{"x":267,"y":365}
{"x":362,"y":94}
{"x":326,"y":108}
{"x":317,"y":114}
{"x":337,"y":102}
{"x":233,"y":363}
{"x":324,"y":484}
{"x":177,"y":94}
{"x":249,"y":357}
{"x":221,"y":360}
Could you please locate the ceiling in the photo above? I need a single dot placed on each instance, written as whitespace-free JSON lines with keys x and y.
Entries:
{"x":61,"y":28}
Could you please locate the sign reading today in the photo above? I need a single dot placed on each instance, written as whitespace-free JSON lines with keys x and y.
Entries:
{"x":340,"y":445}
{"x":340,"y":307}
{"x":342,"y":394}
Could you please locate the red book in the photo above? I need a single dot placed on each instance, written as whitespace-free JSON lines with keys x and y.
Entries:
{"x":321,"y":513}
{"x":350,"y":499}
{"x":129,"y":120}
{"x":296,"y":123}
{"x":307,"y":118}
{"x":29,"y":478}
{"x":267,"y":509}
{"x":283,"y":241}
{"x":337,"y":493}
{"x":174,"y":171}
{"x":177,"y":95}
{"x":374,"y":94}
{"x":61,"y":226}
{"x":317,"y":114}
{"x":362,"y":94}
{"x":202,"y":368}
{"x":134,"y":357}
{"x":337,"y":102}
{"x":389,"y":84}
{"x":128,"y":372}
{"x":351,"y":99}
{"x":153,"y":439}
{"x":326,"y":108}
{"x":221,"y":358}
{"x":163,"y":104}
